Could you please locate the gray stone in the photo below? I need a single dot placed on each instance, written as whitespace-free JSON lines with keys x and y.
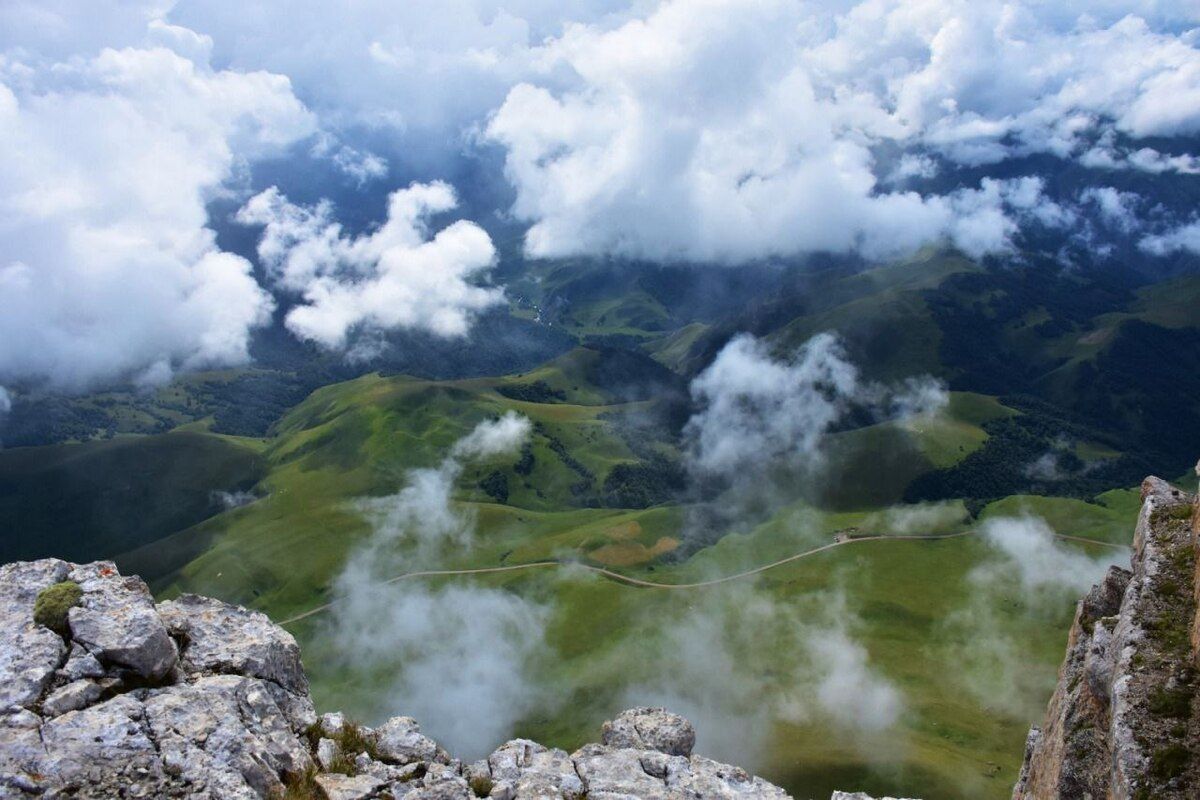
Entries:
{"x":81,"y":664}
{"x":531,"y":769}
{"x":227,"y":639}
{"x":103,"y":746}
{"x":72,"y":697}
{"x":22,"y":754}
{"x":116,"y":621}
{"x":347,"y":787}
{"x":709,"y":779}
{"x":450,"y":789}
{"x":332,"y":724}
{"x":227,"y":733}
{"x":29,"y":653}
{"x":650,"y":729}
{"x":327,"y":753}
{"x":400,"y":741}
{"x":616,"y":774}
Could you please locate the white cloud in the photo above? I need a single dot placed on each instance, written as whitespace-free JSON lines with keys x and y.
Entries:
{"x":107,"y":266}
{"x":426,"y":71}
{"x":5,"y":401}
{"x":458,"y":657}
{"x":1039,"y":560}
{"x":394,"y":277}
{"x":737,"y":661}
{"x":1185,"y":237}
{"x":1118,"y":209}
{"x":1105,"y":154}
{"x":1031,"y":578}
{"x":725,"y":130}
{"x":360,"y":165}
{"x":493,"y":438}
{"x":756,"y":409}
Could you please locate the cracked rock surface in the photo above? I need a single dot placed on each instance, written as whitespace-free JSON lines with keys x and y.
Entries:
{"x":196,"y":698}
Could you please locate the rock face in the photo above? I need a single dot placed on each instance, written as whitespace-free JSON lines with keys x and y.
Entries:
{"x":1124,"y":721}
{"x":195,"y":698}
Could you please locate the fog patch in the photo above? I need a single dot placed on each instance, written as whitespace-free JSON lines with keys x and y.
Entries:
{"x":915,"y":520}
{"x":1029,"y":577}
{"x":759,"y":439}
{"x":1045,"y":566}
{"x":738,"y":660}
{"x":231,"y":500}
{"x":457,"y":657}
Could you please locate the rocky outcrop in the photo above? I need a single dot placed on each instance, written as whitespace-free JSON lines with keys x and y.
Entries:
{"x":1124,"y":720}
{"x":195,"y":698}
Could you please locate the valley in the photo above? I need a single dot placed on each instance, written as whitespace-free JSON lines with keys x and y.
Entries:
{"x":871,"y":575}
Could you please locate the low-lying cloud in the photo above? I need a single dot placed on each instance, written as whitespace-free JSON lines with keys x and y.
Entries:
{"x":394,"y":277}
{"x":764,"y":418}
{"x":456,"y":657}
{"x":1029,"y":576}
{"x":736,"y":660}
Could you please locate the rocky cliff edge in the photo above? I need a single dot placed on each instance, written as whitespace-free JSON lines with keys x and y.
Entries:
{"x":104,"y":694}
{"x":1124,"y":720}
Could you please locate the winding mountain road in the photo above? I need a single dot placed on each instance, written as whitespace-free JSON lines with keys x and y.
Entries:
{"x":639,"y":582}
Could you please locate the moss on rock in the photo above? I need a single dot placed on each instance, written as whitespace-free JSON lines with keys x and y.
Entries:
{"x":52,"y":604}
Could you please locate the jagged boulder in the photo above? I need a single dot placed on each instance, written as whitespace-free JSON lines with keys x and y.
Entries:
{"x":116,"y":622}
{"x":224,"y":639}
{"x":650,"y":729}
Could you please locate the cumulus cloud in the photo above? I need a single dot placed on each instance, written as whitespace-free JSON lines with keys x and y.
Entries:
{"x":426,"y":72}
{"x":760,"y":435}
{"x":359,"y":165}
{"x":107,"y":267}
{"x":735,"y":129}
{"x":458,"y":656}
{"x":395,"y":277}
{"x":1183,"y":238}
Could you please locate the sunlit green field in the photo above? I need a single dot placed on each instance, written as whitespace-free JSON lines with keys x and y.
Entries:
{"x":972,"y":663}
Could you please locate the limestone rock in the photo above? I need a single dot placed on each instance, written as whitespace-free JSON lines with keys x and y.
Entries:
{"x":123,"y":711}
{"x":347,"y":787}
{"x":81,"y":664}
{"x":116,"y":621}
{"x":616,"y":774}
{"x":528,"y":769}
{"x":227,"y":733}
{"x":227,"y":639}
{"x":650,"y":729}
{"x":29,"y":653}
{"x":103,"y":750}
{"x":22,"y":753}
{"x":1118,"y":720}
{"x":400,"y":741}
{"x":72,"y":697}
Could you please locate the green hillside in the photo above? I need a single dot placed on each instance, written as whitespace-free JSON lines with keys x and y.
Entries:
{"x":97,"y":499}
